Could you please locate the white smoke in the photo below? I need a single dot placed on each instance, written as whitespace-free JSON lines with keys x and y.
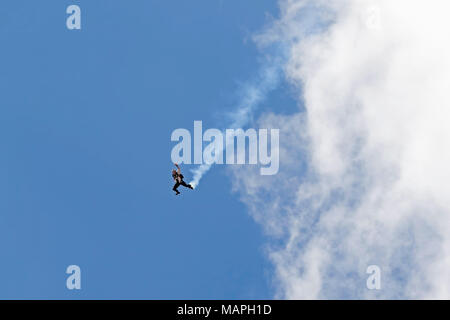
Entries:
{"x":364,"y":177}
{"x":252,"y":95}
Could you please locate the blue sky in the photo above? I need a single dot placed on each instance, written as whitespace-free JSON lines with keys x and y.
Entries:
{"x":86,"y":118}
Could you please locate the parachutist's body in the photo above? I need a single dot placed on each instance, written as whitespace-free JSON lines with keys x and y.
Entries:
{"x":178,"y":177}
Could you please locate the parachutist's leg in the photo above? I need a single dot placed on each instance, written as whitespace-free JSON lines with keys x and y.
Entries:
{"x":184,"y":184}
{"x":175,"y":188}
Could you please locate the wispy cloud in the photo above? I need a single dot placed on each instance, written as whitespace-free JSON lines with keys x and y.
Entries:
{"x":364,"y":174}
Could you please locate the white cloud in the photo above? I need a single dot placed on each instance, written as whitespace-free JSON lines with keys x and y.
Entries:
{"x":364,"y":176}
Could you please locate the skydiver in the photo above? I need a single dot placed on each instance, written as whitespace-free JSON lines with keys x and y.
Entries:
{"x":178,"y":177}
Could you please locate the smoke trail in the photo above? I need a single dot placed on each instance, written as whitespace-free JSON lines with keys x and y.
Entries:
{"x":254,"y":93}
{"x":271,"y":72}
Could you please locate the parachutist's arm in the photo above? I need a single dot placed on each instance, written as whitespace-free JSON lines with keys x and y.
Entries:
{"x":178,"y":167}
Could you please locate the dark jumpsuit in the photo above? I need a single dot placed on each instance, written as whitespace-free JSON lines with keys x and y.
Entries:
{"x":179,"y":182}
